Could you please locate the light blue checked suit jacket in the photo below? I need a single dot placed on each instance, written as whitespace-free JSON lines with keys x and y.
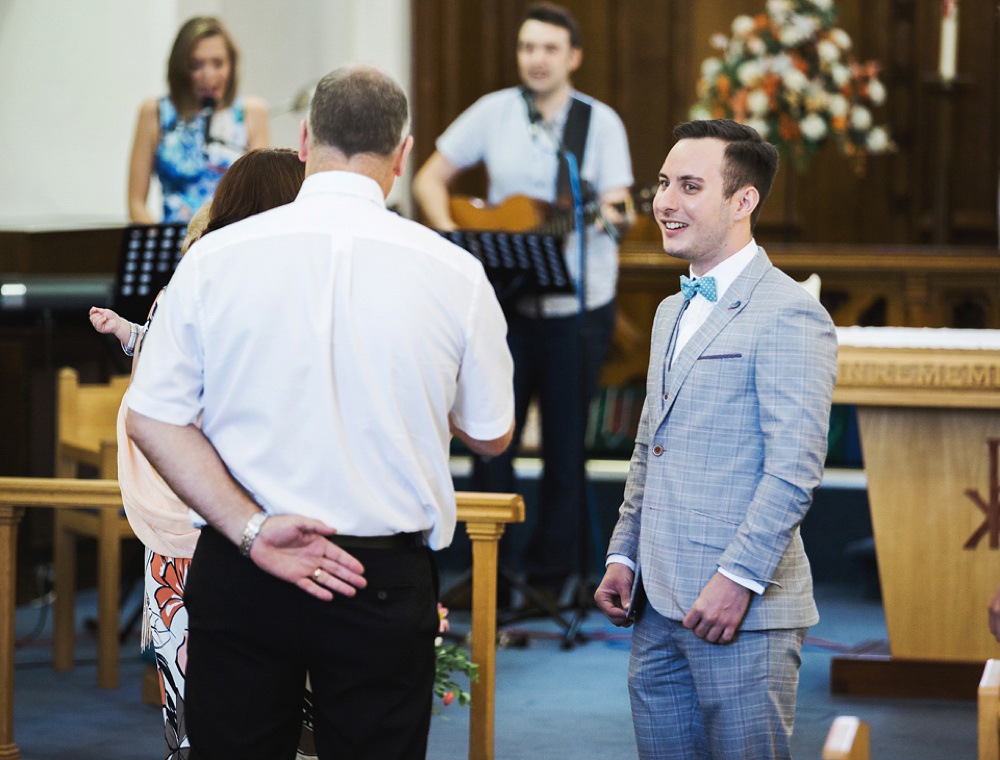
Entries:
{"x":730,"y":446}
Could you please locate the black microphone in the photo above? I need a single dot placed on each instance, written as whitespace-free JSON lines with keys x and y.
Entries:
{"x":208,"y":107}
{"x":534,"y":117}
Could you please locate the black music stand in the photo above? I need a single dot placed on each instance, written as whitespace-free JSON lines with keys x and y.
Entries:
{"x":517,"y":263}
{"x":520,"y":264}
{"x":149,"y":255}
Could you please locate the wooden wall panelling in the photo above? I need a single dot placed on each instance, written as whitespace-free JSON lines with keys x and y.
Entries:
{"x":899,"y":67}
{"x":974,"y":180}
{"x":927,"y":102}
{"x":993,"y":88}
{"x":654,"y":48}
{"x":453,"y":55}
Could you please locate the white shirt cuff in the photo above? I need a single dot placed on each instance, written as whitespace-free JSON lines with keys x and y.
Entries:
{"x":620,"y":559}
{"x":745,"y":582}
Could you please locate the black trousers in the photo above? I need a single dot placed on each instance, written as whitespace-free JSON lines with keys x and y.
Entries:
{"x":252,"y":638}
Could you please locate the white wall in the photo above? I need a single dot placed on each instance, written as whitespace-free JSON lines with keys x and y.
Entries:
{"x":73,"y":72}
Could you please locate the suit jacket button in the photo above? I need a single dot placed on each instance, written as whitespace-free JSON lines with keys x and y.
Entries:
{"x":657,"y":450}
{"x":666,"y":396}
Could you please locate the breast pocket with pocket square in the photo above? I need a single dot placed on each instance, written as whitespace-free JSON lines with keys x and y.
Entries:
{"x":722,"y":364}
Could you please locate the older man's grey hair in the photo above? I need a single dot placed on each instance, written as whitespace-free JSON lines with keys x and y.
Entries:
{"x":359,"y":109}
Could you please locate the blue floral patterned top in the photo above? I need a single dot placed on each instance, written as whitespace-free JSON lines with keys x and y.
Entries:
{"x":189,"y":166}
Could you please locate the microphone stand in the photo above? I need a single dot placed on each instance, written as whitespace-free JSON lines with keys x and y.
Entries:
{"x":580,"y":604}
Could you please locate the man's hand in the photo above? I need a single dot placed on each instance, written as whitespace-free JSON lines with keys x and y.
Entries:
{"x":995,"y":614}
{"x":614,"y":595}
{"x":616,"y":212}
{"x":718,"y":611}
{"x":290,"y":547}
{"x":293,"y":548}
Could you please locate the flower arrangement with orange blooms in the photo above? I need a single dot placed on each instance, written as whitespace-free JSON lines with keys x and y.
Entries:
{"x":789,"y":74}
{"x":450,"y":658}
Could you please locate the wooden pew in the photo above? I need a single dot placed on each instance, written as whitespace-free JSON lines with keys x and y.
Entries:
{"x":485,"y":517}
{"x":988,"y":703}
{"x":847,"y":740}
{"x":86,"y":417}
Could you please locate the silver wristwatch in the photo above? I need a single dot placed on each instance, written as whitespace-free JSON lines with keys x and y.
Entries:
{"x":133,"y":338}
{"x":250,"y":532}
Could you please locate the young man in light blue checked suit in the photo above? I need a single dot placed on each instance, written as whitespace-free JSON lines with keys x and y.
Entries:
{"x":706,"y":557}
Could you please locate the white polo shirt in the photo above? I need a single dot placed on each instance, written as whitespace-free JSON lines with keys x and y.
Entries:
{"x":325,"y":343}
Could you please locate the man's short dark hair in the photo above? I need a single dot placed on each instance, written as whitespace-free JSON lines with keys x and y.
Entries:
{"x":550,"y":13}
{"x":750,"y":160}
{"x":358,"y":109}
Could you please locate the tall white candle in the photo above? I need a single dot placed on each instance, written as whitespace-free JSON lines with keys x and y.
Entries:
{"x":949,"y":41}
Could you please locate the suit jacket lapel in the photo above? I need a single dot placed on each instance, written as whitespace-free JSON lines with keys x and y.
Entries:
{"x":731,"y":303}
{"x":663,"y":339}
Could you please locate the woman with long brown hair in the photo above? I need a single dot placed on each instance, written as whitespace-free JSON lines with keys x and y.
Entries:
{"x":191,"y":135}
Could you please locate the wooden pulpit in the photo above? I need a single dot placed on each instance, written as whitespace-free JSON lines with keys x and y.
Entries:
{"x":929,"y":417}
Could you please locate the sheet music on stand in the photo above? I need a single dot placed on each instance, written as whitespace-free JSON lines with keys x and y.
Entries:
{"x":149,"y":255}
{"x":517,"y":263}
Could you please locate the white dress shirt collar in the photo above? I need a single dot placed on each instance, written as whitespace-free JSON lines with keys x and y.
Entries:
{"x":726,"y":272}
{"x":344,"y":183}
{"x":695,"y":313}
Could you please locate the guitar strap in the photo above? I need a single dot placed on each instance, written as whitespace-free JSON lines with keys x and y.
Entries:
{"x":574,"y":140}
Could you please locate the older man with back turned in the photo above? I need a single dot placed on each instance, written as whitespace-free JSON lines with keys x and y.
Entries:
{"x":330,"y":348}
{"x":706,"y":556}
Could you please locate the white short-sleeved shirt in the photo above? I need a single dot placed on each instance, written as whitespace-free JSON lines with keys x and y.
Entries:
{"x":325,"y":343}
{"x":521,"y":159}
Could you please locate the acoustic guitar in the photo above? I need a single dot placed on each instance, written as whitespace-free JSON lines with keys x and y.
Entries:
{"x":519,"y":213}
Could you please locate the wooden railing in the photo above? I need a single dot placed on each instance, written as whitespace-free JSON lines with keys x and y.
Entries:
{"x":485,"y":516}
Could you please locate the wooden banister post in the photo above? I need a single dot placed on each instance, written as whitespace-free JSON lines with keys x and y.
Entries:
{"x":485,"y":539}
{"x":16,"y":494}
{"x":485,"y":516}
{"x":9,"y":518}
{"x":109,"y":573}
{"x":64,"y":585}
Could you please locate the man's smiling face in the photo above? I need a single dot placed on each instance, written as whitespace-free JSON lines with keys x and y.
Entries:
{"x":697,"y":222}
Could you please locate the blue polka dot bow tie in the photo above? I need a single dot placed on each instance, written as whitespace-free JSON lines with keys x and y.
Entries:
{"x":703,"y":285}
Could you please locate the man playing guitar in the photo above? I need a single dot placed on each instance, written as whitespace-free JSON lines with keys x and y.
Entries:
{"x":521,"y":135}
